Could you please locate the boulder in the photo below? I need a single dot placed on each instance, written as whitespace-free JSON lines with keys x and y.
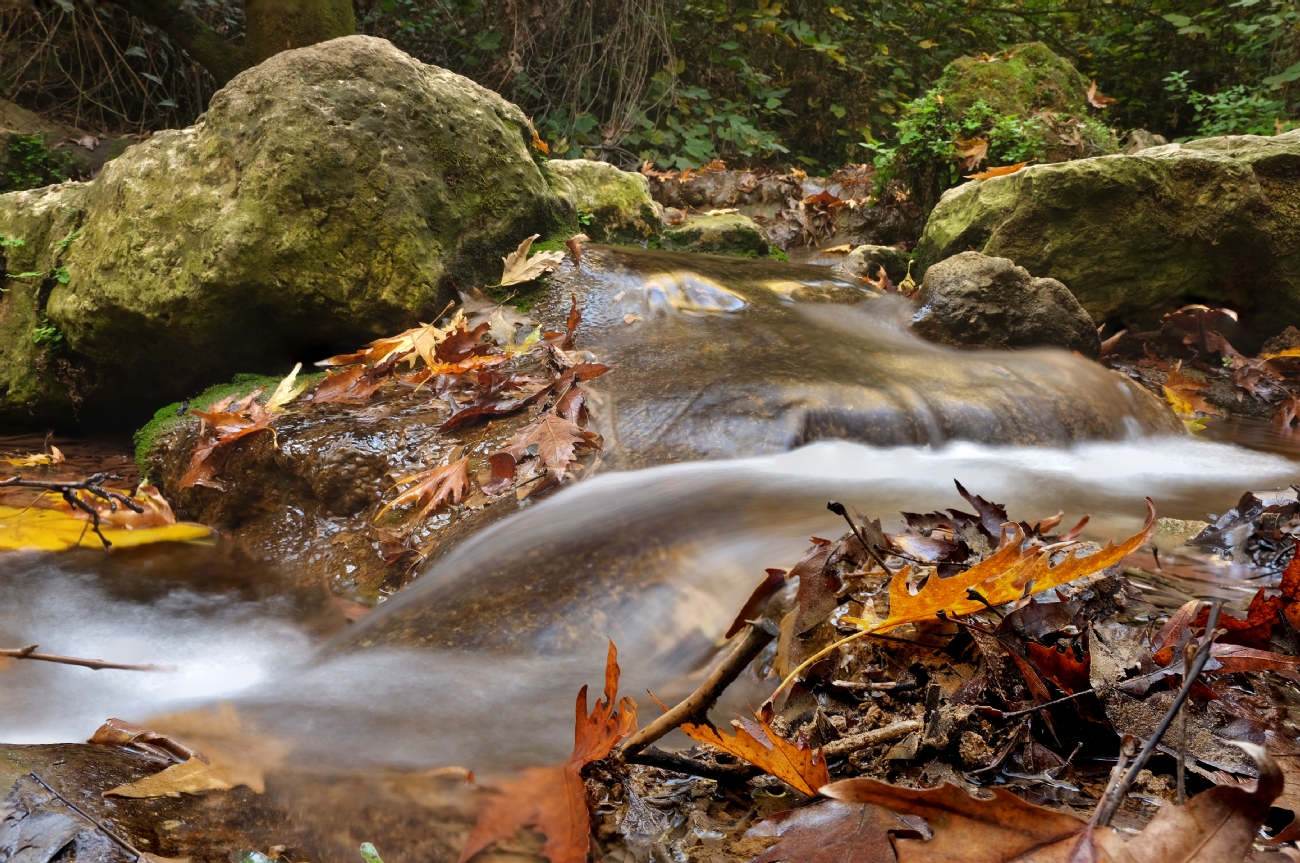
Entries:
{"x":614,"y":206}
{"x":1213,"y":221}
{"x":329,"y":196}
{"x":865,"y":262}
{"x":725,"y":234}
{"x":1139,"y":140}
{"x":972,"y":300}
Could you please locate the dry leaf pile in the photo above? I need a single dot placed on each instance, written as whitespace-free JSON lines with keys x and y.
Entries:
{"x":965,"y":688}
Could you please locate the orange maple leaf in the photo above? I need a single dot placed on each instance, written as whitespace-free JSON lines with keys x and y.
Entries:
{"x":1010,"y":573}
{"x":444,"y":484}
{"x":554,"y":799}
{"x":989,"y":173}
{"x":228,"y":421}
{"x":798,"y":766}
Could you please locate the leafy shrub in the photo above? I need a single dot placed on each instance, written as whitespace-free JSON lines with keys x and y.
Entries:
{"x":1237,"y":110}
{"x":32,"y":164}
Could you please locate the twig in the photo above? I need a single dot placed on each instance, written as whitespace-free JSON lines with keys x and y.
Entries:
{"x":876,"y":687}
{"x":1037,"y":707}
{"x":92,"y":484}
{"x":696,"y":705}
{"x":652,"y":756}
{"x":117,"y":840}
{"x":1111,"y":800}
{"x":29,"y":652}
{"x":1189,"y":656}
{"x":854,"y":742}
{"x":838,"y":508}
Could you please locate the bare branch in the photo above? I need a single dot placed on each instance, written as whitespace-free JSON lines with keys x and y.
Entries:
{"x":29,"y":652}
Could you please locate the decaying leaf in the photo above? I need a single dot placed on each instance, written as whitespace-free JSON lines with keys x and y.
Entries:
{"x":830,"y":831}
{"x":553,"y":440}
{"x":800,"y":767}
{"x":118,"y":732}
{"x":432,"y":488}
{"x":575,"y":246}
{"x":989,"y":173}
{"x":54,"y":456}
{"x":189,"y":777}
{"x":521,"y":268}
{"x":554,"y":799}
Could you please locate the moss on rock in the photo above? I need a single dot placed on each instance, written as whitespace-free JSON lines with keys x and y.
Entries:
{"x":1215,"y":220}
{"x":329,"y":196}
{"x":618,"y":203}
{"x":729,"y":234}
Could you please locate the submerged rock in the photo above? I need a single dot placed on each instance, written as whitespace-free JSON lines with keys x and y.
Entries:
{"x":973,"y":300}
{"x":1134,"y":236}
{"x":618,"y":203}
{"x":329,"y":196}
{"x":726,"y":234}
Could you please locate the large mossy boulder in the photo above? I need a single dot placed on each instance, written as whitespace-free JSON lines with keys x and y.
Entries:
{"x":615,"y":205}
{"x":1215,"y":220}
{"x":330,"y":195}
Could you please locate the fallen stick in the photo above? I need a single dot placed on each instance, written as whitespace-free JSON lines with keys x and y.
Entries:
{"x":854,"y":742}
{"x":696,"y":705}
{"x":1111,"y":800}
{"x":652,"y":756}
{"x":113,"y":837}
{"x":29,"y":652}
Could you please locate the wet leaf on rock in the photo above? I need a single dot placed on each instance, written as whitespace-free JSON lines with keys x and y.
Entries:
{"x":432,"y":488}
{"x":518,"y":267}
{"x":830,"y":831}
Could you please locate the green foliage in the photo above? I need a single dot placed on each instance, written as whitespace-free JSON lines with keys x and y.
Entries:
{"x":32,"y":164}
{"x":1235,"y":110}
{"x":807,"y":82}
{"x":47,"y":334}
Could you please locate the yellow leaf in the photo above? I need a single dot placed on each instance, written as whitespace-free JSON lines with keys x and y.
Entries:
{"x":1180,"y":405}
{"x":839,"y":250}
{"x":797,"y":766}
{"x":285,"y":391}
{"x":927,"y":44}
{"x":41,"y":529}
{"x":521,"y":268}
{"x":54,"y":456}
{"x":1289,"y":352}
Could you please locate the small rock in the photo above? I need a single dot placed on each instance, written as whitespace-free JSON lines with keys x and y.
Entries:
{"x":618,"y":202}
{"x":865,"y":262}
{"x":972,"y":300}
{"x":729,"y":234}
{"x":1141,"y":139}
{"x":1283,"y":341}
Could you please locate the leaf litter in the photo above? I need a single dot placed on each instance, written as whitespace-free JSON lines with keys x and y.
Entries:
{"x":952,"y":695}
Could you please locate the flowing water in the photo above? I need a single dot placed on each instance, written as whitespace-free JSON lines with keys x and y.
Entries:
{"x":477,"y":663}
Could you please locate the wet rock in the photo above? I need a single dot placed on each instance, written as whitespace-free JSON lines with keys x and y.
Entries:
{"x":317,"y":815}
{"x":723,"y":358}
{"x":1135,"y":236}
{"x":618,"y":203}
{"x":328,"y":196}
{"x":865,"y":262}
{"x":973,"y":300}
{"x":727,"y":234}
{"x":1141,"y":139}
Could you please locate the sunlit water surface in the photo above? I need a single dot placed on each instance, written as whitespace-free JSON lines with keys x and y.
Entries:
{"x":487,"y":710}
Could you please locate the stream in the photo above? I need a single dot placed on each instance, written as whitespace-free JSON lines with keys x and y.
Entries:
{"x":477,"y":662}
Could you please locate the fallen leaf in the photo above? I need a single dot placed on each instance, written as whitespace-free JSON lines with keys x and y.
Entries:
{"x":54,"y":456}
{"x":998,"y":829}
{"x":286,"y":391}
{"x":353,"y":385}
{"x":554,"y":799}
{"x":726,"y":211}
{"x":33,"y":528}
{"x":575,"y":246}
{"x":553,"y":440}
{"x":227,"y":421}
{"x":432,"y":488}
{"x":972,"y":152}
{"x":631,"y":318}
{"x":839,"y":250}
{"x":521,"y":268}
{"x":989,"y":173}
{"x":189,"y":777}
{"x":118,"y":732}
{"x":823,"y":199}
{"x":538,"y":143}
{"x":818,"y":589}
{"x":830,"y":831}
{"x":798,"y":766}
{"x":771,"y":583}
{"x":1097,"y":100}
